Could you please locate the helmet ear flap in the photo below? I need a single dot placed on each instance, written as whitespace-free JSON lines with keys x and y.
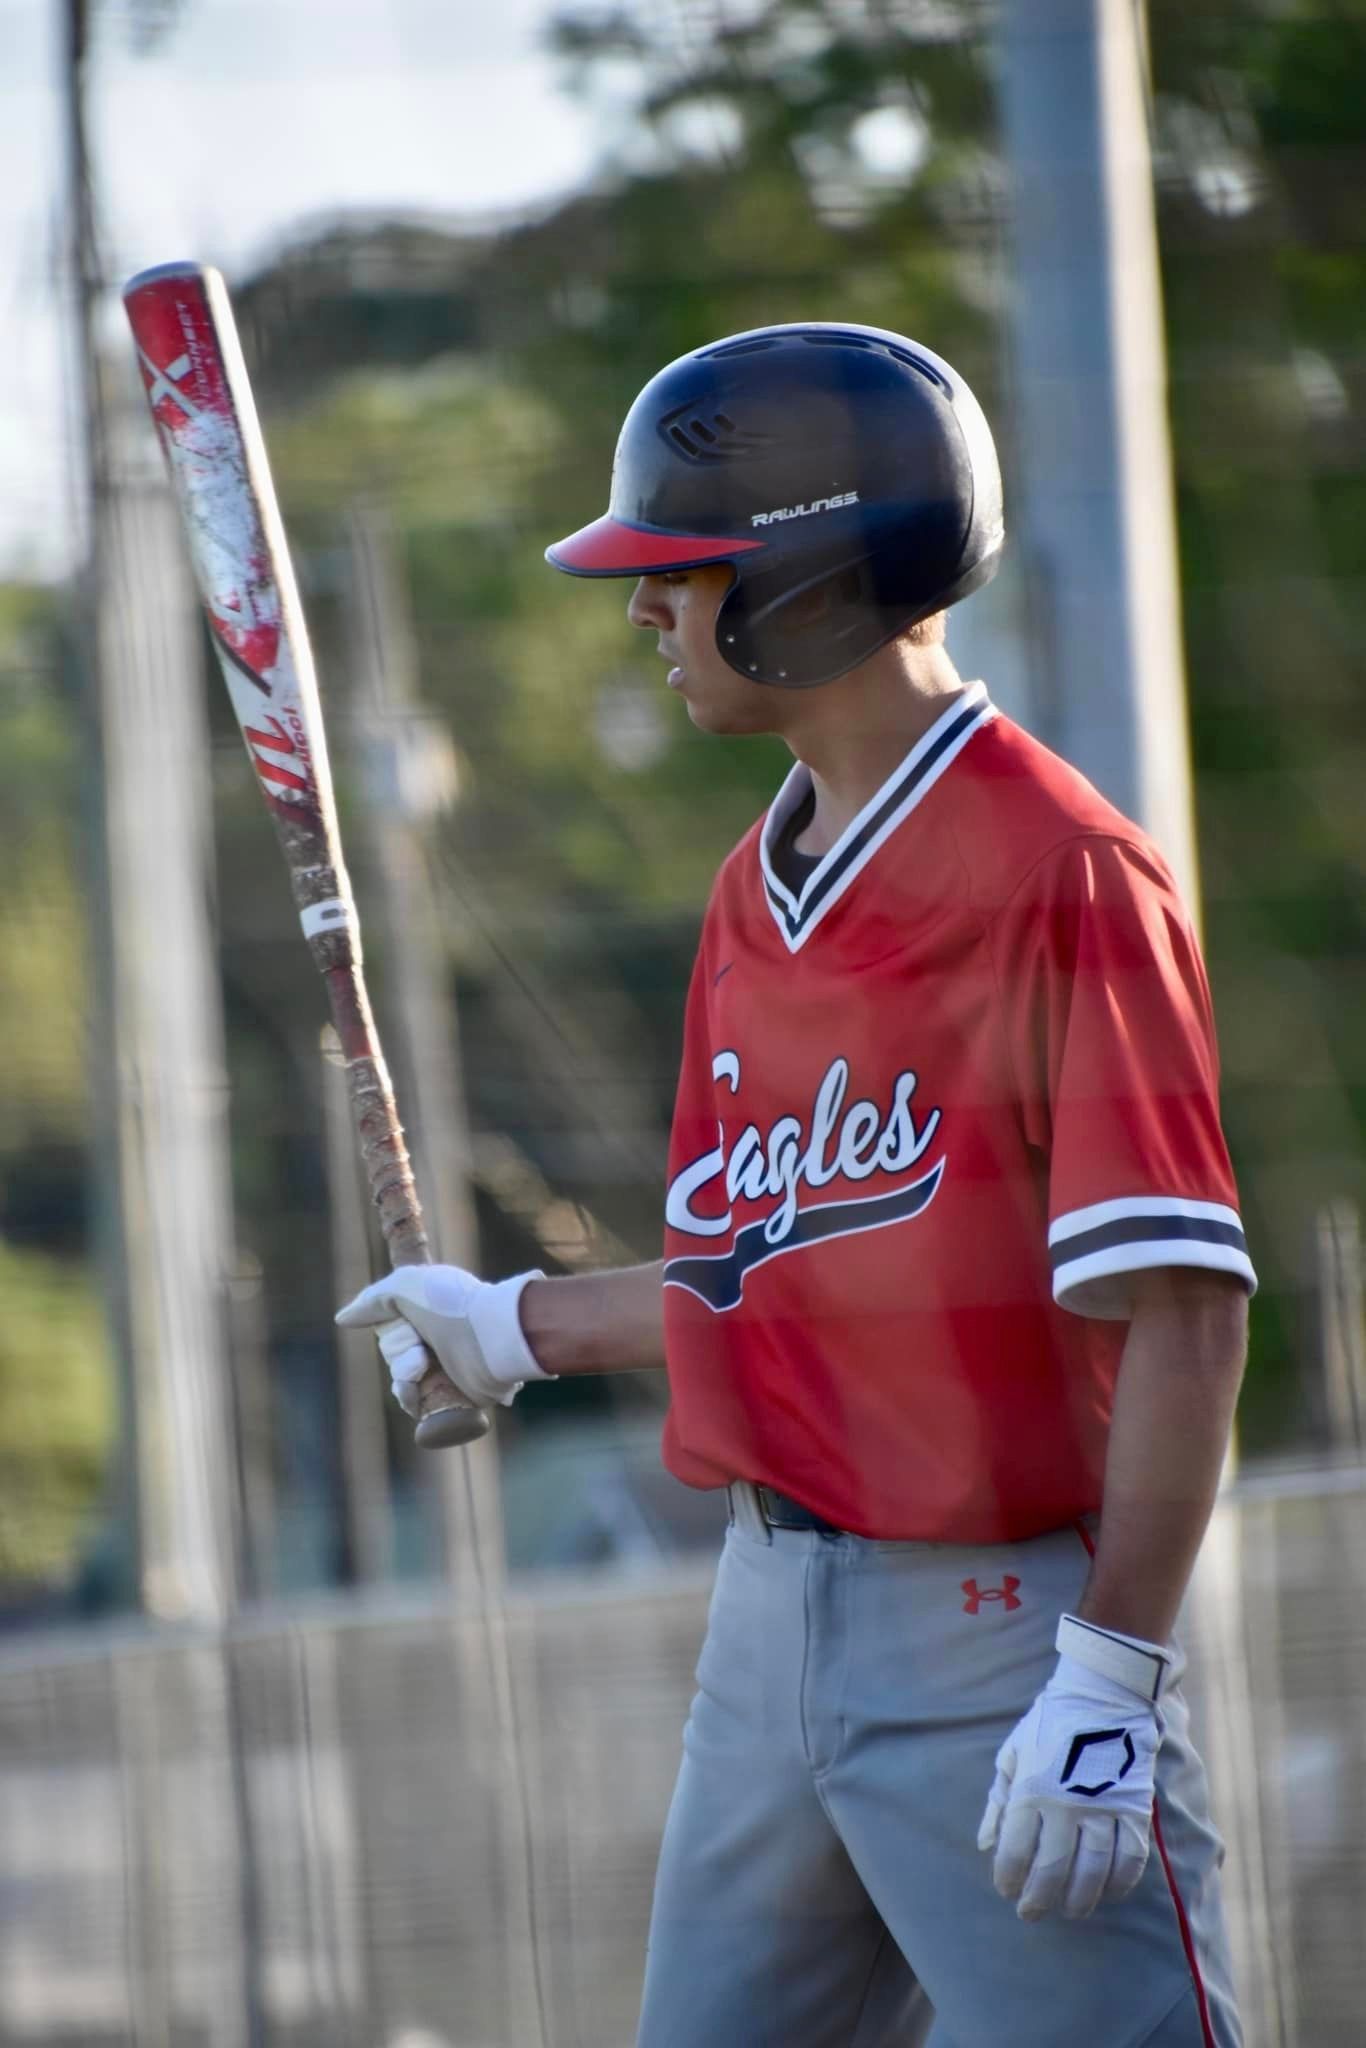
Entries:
{"x":797,"y":637}
{"x":818,"y":604}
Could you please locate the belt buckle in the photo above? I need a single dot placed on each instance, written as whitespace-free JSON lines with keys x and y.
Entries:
{"x":772,"y":1505}
{"x":766,"y":1497}
{"x":781,"y":1513}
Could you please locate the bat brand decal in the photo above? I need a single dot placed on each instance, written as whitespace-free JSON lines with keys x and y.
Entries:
{"x":165,"y":384}
{"x":276,"y":741}
{"x":834,"y":1143}
{"x":273,"y":735}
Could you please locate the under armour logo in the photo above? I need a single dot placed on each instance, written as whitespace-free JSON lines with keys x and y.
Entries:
{"x":977,"y":1594}
{"x":1121,"y":1746}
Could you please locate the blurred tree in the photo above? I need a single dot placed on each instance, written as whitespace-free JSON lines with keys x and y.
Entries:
{"x":806,"y":159}
{"x":43,"y":969}
{"x":56,"y":1373}
{"x":56,"y":1419}
{"x":56,"y":1382}
{"x":1260,"y":133}
{"x":818,"y":161}
{"x":830,"y":158}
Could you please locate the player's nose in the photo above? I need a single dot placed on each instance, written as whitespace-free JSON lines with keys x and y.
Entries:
{"x":648,"y":604}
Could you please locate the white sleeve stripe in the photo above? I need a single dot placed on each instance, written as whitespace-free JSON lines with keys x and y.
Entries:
{"x":1101,"y":1213}
{"x":1133,"y":1258}
{"x":1135,"y":1230}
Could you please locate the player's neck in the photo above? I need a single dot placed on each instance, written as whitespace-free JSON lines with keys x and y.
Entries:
{"x":854,"y":732}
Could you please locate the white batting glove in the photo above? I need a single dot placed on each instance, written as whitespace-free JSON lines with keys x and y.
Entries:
{"x":1070,"y":1810}
{"x":471,"y":1325}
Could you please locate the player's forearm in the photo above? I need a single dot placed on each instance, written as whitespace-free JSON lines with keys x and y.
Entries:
{"x":1178,"y":1385}
{"x":597,"y":1322}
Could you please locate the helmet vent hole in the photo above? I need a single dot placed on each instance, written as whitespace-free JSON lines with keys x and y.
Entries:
{"x":838,"y":339}
{"x":927,"y":370}
{"x":710,"y":437}
{"x":740,"y":348}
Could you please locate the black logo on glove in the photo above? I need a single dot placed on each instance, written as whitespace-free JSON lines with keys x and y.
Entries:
{"x":1080,"y":1745}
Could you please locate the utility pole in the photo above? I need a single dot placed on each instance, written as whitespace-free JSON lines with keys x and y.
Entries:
{"x":88,"y":492}
{"x":1093,"y":502}
{"x":171,"y":1081}
{"x":160,"y":1083}
{"x":1096,"y":514}
{"x":158,"y":1088}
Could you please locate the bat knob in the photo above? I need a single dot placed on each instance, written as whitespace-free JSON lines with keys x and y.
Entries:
{"x":446,"y":1429}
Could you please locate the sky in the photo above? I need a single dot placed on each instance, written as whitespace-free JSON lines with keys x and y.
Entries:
{"x":247,"y":120}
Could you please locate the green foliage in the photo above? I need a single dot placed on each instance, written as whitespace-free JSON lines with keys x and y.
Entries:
{"x":1261,"y":117}
{"x":451,"y":444}
{"x":742,"y":195}
{"x":1307,"y":79}
{"x":56,"y":1414}
{"x":740,"y":187}
{"x":55,"y":1374}
{"x":42,"y":934}
{"x":795,"y":159}
{"x":830,"y":158}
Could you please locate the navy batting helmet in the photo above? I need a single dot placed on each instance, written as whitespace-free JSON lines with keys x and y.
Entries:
{"x":815,"y":457}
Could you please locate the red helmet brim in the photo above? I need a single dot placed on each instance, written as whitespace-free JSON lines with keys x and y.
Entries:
{"x":610,"y":547}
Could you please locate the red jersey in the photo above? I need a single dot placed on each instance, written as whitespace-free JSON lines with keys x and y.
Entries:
{"x":932,"y":1111}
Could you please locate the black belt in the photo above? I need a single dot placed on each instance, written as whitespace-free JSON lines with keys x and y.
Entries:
{"x":781,"y":1512}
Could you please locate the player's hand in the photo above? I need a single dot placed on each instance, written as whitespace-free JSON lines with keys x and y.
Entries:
{"x":472,"y":1325}
{"x":1070,"y":1811}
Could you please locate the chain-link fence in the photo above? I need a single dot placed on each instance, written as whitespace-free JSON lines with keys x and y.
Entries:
{"x":331,"y":1826}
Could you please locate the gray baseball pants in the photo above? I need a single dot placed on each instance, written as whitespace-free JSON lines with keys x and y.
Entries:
{"x":819,"y":1882}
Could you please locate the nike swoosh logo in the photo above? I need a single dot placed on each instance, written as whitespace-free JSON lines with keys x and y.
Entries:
{"x":724,"y":971}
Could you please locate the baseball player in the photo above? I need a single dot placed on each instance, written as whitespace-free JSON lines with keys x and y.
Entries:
{"x":953,"y":1296}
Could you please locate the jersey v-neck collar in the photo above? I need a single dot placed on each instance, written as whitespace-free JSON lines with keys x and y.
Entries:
{"x":797,"y":916}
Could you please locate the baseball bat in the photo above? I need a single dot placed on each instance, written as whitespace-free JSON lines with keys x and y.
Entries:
{"x":197,"y":387}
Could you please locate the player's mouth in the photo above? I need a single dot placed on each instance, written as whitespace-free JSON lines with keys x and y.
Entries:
{"x":675,"y":675}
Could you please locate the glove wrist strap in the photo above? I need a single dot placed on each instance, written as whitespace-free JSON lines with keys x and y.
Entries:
{"x":1144,"y":1667}
{"x":495,"y":1317}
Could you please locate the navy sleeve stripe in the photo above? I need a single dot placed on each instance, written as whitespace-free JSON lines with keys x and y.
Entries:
{"x":1126,"y":1230}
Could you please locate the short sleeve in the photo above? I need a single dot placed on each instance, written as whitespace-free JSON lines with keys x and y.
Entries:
{"x":1111,"y":1036}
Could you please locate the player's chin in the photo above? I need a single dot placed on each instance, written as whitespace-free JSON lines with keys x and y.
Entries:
{"x":725,"y":717}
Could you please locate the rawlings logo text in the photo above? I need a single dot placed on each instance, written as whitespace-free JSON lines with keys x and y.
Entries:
{"x":782,"y":512}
